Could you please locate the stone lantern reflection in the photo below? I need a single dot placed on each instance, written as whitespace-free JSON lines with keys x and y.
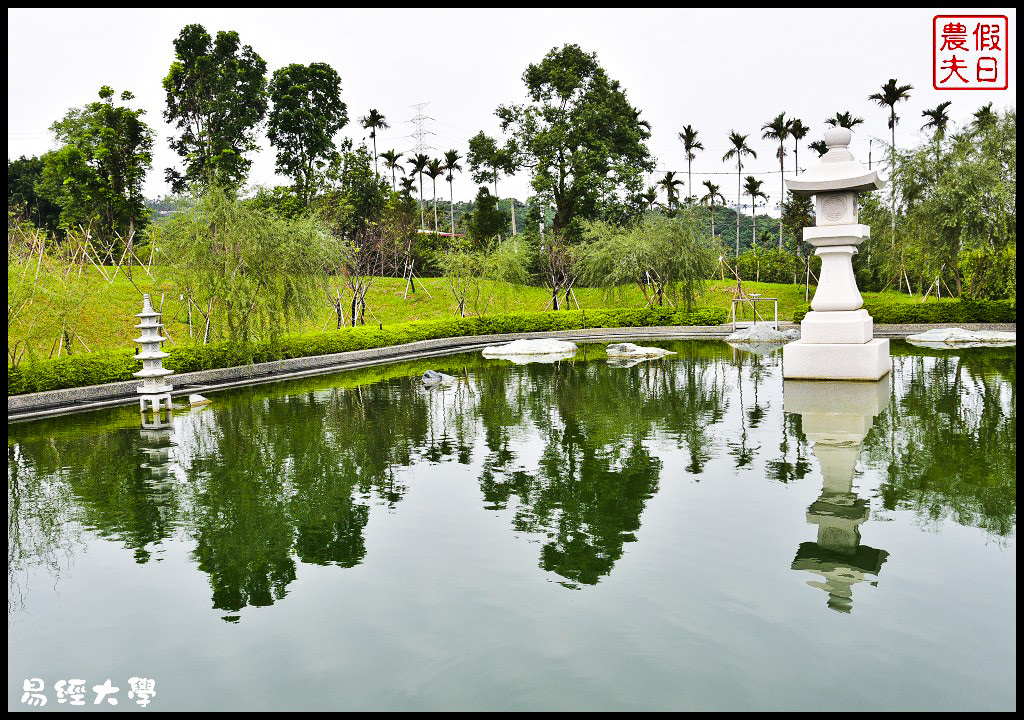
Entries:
{"x":836,"y":417}
{"x":836,"y":337}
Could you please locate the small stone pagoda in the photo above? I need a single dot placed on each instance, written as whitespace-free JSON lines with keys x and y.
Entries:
{"x":153,"y":389}
{"x":836,"y":341}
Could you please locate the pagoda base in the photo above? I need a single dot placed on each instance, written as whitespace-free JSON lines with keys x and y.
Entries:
{"x":836,"y":361}
{"x":155,"y":401}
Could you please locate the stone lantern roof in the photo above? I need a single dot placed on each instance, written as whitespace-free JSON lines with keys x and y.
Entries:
{"x":838,"y":170}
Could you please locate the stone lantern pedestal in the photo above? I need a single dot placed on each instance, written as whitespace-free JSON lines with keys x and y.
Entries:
{"x":836,"y":340}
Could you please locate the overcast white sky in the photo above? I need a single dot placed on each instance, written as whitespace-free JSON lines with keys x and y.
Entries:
{"x":718,"y":70}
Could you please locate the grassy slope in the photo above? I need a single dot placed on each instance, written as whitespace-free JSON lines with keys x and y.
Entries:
{"x":105,"y":316}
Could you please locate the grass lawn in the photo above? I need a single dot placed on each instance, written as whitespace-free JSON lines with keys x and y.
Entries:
{"x":102,"y":313}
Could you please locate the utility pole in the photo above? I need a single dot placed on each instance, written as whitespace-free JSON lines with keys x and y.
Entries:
{"x":420,"y":132}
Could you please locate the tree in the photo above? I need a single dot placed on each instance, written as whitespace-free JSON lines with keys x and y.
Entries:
{"x":670,"y":182}
{"x":433,"y":170}
{"x":391,"y":163}
{"x":419,"y":163}
{"x":247,"y":272}
{"x":486,"y":221}
{"x":451,"y":166}
{"x":890,"y":95}
{"x":844,"y":120}
{"x":798,"y":131}
{"x":819,"y":147}
{"x":709,"y":200}
{"x":778,"y":129}
{"x":24,"y":175}
{"x":984,"y":116}
{"x":662,"y":256}
{"x":374,"y":121}
{"x":938,"y":119}
{"x":738,"y":150}
{"x":752,"y":187}
{"x":307,"y":113}
{"x":99,"y":171}
{"x":579,"y":135}
{"x":487,"y":161}
{"x":216,"y":97}
{"x":690,"y":143}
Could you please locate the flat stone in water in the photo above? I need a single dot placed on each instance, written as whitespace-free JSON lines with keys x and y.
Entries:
{"x":763,"y":334}
{"x":542,"y":350}
{"x":629,"y":350}
{"x":938,"y":337}
{"x":432,"y":377}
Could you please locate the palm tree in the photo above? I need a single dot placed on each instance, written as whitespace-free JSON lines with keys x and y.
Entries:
{"x":374,"y":121}
{"x":778,"y":129}
{"x":650,"y":197}
{"x":752,"y":187}
{"x":819,"y":147}
{"x":433,"y":169}
{"x":709,"y":199}
{"x":738,"y":150}
{"x":451,"y":165}
{"x":797,"y":131}
{"x":670,"y":183}
{"x":984,"y":117}
{"x":938,"y":119}
{"x":844,"y":120}
{"x":408,"y":186}
{"x":391,"y":163}
{"x":419,"y":163}
{"x":890,"y":95}
{"x":690,"y":143}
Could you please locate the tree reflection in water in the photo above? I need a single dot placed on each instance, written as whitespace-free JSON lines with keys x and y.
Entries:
{"x":272,"y":475}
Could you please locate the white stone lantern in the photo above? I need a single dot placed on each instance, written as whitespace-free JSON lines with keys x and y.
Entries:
{"x":836,"y":341}
{"x":154,"y":389}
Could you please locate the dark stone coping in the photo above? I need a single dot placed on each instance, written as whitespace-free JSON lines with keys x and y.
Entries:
{"x":69,"y":400}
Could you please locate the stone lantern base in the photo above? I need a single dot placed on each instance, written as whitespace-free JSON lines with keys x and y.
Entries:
{"x":807,"y":360}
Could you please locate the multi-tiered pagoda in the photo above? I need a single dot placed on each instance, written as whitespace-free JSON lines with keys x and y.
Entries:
{"x":154,"y":389}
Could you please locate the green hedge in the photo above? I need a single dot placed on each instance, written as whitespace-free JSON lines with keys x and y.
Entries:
{"x":952,"y":311}
{"x":98,"y":368}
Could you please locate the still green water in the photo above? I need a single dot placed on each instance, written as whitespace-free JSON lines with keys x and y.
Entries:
{"x":568,"y":536}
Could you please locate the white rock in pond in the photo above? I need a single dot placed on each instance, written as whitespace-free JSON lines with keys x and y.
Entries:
{"x":763,"y":349}
{"x":530,"y":351}
{"x":941,"y":337}
{"x":629,"y":350}
{"x":432,"y":377}
{"x":198,"y":400}
{"x":761,"y":333}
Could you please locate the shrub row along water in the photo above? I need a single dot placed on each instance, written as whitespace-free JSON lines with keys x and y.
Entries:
{"x":108,"y":367}
{"x":954,"y":311}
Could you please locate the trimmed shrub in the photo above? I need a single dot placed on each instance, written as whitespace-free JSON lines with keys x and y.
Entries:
{"x":106,"y":367}
{"x":952,"y":311}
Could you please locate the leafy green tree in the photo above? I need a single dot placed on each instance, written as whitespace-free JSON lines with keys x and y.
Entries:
{"x":486,"y":223}
{"x":374,"y":121}
{"x":938,"y":119}
{"x":984,"y":116}
{"x":216,"y":98}
{"x":779,"y":129}
{"x":738,"y":150}
{"x":819,"y":147}
{"x":96,"y":176}
{"x":891,"y":94}
{"x":487,"y":161}
{"x":23,"y":198}
{"x":307,"y":113}
{"x":584,"y":142}
{"x":662,"y":256}
{"x":690,"y":143}
{"x":798,"y":131}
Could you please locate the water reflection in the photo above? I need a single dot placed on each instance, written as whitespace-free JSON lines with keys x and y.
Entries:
{"x":573,"y":454}
{"x":836,"y":418}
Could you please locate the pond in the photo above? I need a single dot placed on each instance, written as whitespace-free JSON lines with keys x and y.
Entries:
{"x":686,"y":533}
